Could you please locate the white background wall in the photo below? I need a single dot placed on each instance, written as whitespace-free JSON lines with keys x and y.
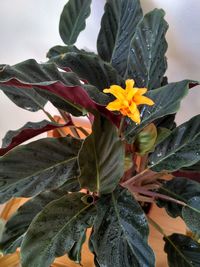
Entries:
{"x":28,"y":28}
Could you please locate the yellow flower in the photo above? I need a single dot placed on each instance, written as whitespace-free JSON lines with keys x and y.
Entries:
{"x":128,"y":99}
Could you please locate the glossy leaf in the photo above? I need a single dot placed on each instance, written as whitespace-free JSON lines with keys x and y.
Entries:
{"x":182,"y":251}
{"x":118,"y":26}
{"x":191,"y":214}
{"x":63,"y":89}
{"x":37,"y":166}
{"x":72,"y":20}
{"x":90,"y":67}
{"x":120,"y":233}
{"x":104,"y":152}
{"x":28,"y":131}
{"x":19,"y":222}
{"x":167,"y":101}
{"x":179,"y":149}
{"x":147,"y":62}
{"x":56,"y":229}
{"x":179,"y":188}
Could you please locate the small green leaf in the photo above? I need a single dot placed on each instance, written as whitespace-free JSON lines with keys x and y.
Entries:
{"x":118,"y":26}
{"x":182,"y":251}
{"x":104,"y":152}
{"x":180,"y":149}
{"x":167,"y":101}
{"x":181,"y":189}
{"x":17,"y":225}
{"x":56,"y":230}
{"x":191,"y":214}
{"x":147,"y":62}
{"x":120,"y":232}
{"x":72,"y":20}
{"x":37,"y":166}
{"x":145,"y":140}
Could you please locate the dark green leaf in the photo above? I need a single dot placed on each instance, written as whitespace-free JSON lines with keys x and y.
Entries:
{"x":56,"y":229}
{"x":120,"y":232}
{"x":26,"y":132}
{"x":29,"y":100}
{"x":72,"y":20}
{"x":75,"y":253}
{"x":147,"y":62}
{"x":179,"y":188}
{"x":118,"y":26}
{"x":62,"y":88}
{"x":59,"y":50}
{"x":180,"y":149}
{"x":89,"y":67}
{"x":104,"y":152}
{"x":37,"y":166}
{"x":195,"y":167}
{"x":18,"y":224}
{"x":191,"y":214}
{"x":182,"y":251}
{"x":162,"y":133}
{"x":167,"y":101}
{"x":30,"y":72}
{"x":166,"y":122}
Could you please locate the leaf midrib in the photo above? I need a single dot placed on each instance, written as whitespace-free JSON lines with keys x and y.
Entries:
{"x":177,"y":150}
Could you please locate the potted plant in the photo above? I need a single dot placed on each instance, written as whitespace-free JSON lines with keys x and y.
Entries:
{"x":100,"y":179}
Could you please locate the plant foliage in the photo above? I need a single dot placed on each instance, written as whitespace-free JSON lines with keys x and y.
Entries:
{"x":99,"y":176}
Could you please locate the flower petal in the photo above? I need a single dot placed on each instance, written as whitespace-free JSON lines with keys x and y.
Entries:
{"x":117,"y":91}
{"x":141,"y":91}
{"x":129,"y":84}
{"x":135,"y":116}
{"x":139,"y":100}
{"x":114,"y":105}
{"x":132,"y":107}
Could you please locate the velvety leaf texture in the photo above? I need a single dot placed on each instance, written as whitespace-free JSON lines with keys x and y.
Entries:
{"x":147,"y":62}
{"x":191,"y":214}
{"x":118,"y":26}
{"x":90,"y":67}
{"x":19,"y":222}
{"x":28,"y":131}
{"x":179,"y":188}
{"x":167,"y":101}
{"x":104,"y":152}
{"x":180,"y":149}
{"x":37,"y":166}
{"x":184,"y":252}
{"x":55,"y":230}
{"x":120,"y":232}
{"x":72,"y":20}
